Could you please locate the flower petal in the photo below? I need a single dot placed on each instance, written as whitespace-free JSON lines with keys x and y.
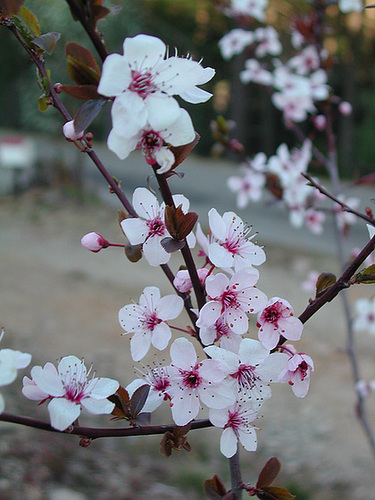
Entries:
{"x":63,"y":413}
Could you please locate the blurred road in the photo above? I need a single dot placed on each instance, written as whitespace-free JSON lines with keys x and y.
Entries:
{"x":204,"y":183}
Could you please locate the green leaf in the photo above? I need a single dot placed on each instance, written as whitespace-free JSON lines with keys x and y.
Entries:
{"x":43,"y":103}
{"x":47,"y":42}
{"x":27,"y":25}
{"x":324,"y":281}
{"x":268,"y":473}
{"x":86,"y":113}
{"x":367,"y":276}
{"x":276,"y":493}
{"x":82,"y":67}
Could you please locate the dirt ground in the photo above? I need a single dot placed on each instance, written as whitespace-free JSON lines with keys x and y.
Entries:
{"x":57,"y":298}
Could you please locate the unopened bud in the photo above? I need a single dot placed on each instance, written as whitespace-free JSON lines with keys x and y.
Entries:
{"x":320,"y":122}
{"x":94,"y":242}
{"x":58,"y":88}
{"x":345,"y":108}
{"x":70,"y":133}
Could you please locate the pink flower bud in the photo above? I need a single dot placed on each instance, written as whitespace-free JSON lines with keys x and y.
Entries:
{"x":182,"y":281}
{"x":345,"y":108}
{"x":320,"y":122}
{"x":94,"y":242}
{"x":70,"y":133}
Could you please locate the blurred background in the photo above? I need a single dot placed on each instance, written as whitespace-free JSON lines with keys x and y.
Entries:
{"x":58,"y":299}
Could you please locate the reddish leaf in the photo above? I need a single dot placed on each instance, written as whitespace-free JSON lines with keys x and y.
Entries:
{"x":81,"y":91}
{"x":82,"y":67}
{"x":187,"y":224}
{"x":182,"y":152}
{"x":268,"y":473}
{"x":121,"y":400}
{"x":214,"y":488}
{"x":138,"y":399}
{"x":275,"y":493}
{"x":10,"y":7}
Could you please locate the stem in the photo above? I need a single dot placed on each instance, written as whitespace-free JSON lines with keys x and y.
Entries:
{"x":89,"y":28}
{"x":186,"y":253}
{"x":97,"y":432}
{"x":235,"y":475}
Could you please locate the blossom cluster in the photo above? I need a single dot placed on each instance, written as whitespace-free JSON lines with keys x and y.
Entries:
{"x":145,"y":115}
{"x":234,"y":381}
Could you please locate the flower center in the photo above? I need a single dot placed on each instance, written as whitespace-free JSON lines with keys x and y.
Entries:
{"x":191,"y":378}
{"x":271,"y":314}
{"x":246,"y":376}
{"x":142,"y":84}
{"x":152,"y":321}
{"x":229,"y":299}
{"x":234,"y":420}
{"x":150,"y":142}
{"x":303,"y":367}
{"x":155,"y":227}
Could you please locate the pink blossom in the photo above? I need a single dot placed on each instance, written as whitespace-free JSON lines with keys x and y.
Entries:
{"x":236,"y":422}
{"x":182,"y":281}
{"x":148,"y":321}
{"x":69,"y":389}
{"x":220,"y":332}
{"x":230,"y":245}
{"x":232,"y":299}
{"x":192,"y":380}
{"x":297,"y":371}
{"x":345,"y":108}
{"x":234,"y":42}
{"x":94,"y":242}
{"x":275,"y":320}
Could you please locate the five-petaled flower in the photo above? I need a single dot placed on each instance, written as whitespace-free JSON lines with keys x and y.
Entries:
{"x":148,"y":320}
{"x":69,"y":390}
{"x":277,"y":319}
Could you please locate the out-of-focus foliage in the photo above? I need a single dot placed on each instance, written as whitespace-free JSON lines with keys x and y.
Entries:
{"x":195,"y":26}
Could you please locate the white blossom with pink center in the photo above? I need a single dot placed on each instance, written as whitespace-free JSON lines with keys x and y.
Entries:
{"x":236,"y":422}
{"x":143,"y":81}
{"x":248,"y":188}
{"x":69,"y":389}
{"x":306,"y":61}
{"x":344,"y":218}
{"x":277,"y":319}
{"x":252,"y":369}
{"x":232,"y":299}
{"x":154,"y":143}
{"x":364,"y":320}
{"x":149,"y":229}
{"x":158,"y":380}
{"x":234,"y":42}
{"x":193,"y":381}
{"x":254,"y":72}
{"x":220,"y":332}
{"x":297,"y":371}
{"x":253,"y":8}
{"x":230,"y":245}
{"x":268,"y":42}
{"x":148,"y":321}
{"x":10,"y":362}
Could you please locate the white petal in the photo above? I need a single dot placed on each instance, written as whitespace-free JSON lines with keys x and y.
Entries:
{"x":101,"y":388}
{"x":139,"y":345}
{"x":183,"y":354}
{"x":217,"y":224}
{"x":195,"y":95}
{"x":162,"y":111}
{"x":170,"y":307}
{"x":2,"y":404}
{"x":228,"y":443}
{"x":165,"y":158}
{"x":248,"y":439}
{"x":184,"y":408}
{"x":144,"y":51}
{"x":120,"y":145}
{"x":63,"y":413}
{"x":215,"y":285}
{"x":129,"y":114}
{"x":48,"y":382}
{"x":181,"y":131}
{"x":150,"y":298}
{"x":145,"y":203}
{"x":116,"y":76}
{"x":219,"y":256}
{"x":154,"y":252}
{"x":97,"y":406}
{"x":161,"y":336}
{"x":136,"y":230}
